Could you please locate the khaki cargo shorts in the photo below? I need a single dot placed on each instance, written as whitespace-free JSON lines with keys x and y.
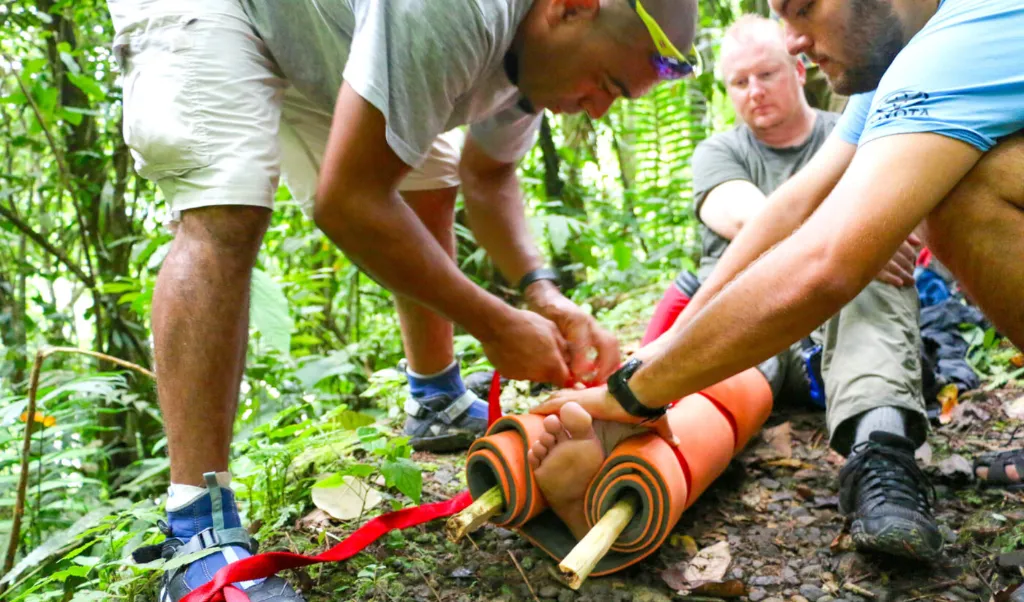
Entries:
{"x":209,"y":117}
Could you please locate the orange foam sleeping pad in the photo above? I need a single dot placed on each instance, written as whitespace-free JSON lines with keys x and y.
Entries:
{"x":712,"y":426}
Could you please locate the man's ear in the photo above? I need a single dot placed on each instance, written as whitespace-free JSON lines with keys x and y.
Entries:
{"x":572,"y":10}
{"x":801,"y":71}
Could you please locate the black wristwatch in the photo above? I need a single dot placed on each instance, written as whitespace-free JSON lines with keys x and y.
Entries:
{"x":535,"y":275}
{"x":618,"y":386}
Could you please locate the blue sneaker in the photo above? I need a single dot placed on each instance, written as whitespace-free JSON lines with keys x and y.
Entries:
{"x":209,"y":523}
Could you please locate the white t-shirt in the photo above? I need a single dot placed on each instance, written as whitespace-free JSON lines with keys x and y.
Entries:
{"x":428,"y":65}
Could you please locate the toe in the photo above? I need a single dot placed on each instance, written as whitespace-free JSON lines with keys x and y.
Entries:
{"x":576,"y":421}
{"x":553,"y":426}
{"x":532,"y":459}
{"x":539,"y":451}
{"x":547,"y":439}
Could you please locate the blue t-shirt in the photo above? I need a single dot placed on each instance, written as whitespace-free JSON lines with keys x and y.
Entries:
{"x":961,"y":76}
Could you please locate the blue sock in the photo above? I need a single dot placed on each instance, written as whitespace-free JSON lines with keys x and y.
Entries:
{"x":447,"y":382}
{"x":198,"y":515}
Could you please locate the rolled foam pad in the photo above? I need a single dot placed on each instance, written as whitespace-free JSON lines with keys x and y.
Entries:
{"x":499,"y":458}
{"x":747,"y":399}
{"x":711,"y":426}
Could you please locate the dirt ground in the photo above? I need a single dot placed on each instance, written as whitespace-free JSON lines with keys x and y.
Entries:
{"x":776,"y":509}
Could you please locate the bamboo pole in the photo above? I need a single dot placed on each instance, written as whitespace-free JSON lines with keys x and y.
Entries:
{"x":26,"y":448}
{"x":491,"y":503}
{"x":578,"y":564}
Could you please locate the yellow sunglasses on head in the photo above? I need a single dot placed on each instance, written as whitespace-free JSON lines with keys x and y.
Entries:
{"x":668,"y":62}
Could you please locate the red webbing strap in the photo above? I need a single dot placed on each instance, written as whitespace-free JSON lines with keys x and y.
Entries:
{"x":269,"y":563}
{"x":494,"y":400}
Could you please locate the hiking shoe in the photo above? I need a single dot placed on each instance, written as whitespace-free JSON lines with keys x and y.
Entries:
{"x":441,"y":424}
{"x":888,"y":499}
{"x":180,"y":581}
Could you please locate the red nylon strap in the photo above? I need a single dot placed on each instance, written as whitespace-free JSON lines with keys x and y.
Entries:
{"x":269,"y":563}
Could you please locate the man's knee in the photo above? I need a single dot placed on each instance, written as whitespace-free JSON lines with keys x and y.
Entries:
{"x":234,"y":229}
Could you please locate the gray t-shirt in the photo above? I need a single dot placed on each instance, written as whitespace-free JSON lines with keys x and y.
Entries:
{"x":428,"y":66}
{"x":739,"y":155}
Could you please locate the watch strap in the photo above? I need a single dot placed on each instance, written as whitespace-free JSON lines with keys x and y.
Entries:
{"x":618,"y":386}
{"x":538,"y":274}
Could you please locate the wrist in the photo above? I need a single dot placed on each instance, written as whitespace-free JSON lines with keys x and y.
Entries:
{"x":621,"y":387}
{"x":541,"y":294}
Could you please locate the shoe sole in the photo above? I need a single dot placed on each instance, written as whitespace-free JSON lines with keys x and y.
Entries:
{"x":450,"y":442}
{"x":897,"y":538}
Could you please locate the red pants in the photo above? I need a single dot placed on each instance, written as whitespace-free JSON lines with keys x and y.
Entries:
{"x":671,"y":305}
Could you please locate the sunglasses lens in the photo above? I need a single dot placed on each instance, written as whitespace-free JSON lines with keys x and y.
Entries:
{"x":670,"y":68}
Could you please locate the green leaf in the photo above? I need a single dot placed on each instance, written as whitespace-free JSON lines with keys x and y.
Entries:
{"x":623,"y":255}
{"x":404,"y":475}
{"x":88,"y":85}
{"x":351,"y":420}
{"x":335,"y":480}
{"x":361,"y":471}
{"x":269,"y":312}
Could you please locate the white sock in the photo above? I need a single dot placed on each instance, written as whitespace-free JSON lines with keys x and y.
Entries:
{"x":886,"y":418}
{"x":179,"y":496}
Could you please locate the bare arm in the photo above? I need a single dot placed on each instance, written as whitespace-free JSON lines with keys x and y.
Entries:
{"x":730,"y":206}
{"x":812,"y":274}
{"x":359,"y":208}
{"x":495,"y":212}
{"x":807,"y":278}
{"x":782,"y":213}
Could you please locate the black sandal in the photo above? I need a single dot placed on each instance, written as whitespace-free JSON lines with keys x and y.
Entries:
{"x":997,"y":464}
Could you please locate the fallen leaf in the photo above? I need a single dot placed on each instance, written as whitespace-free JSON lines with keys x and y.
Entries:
{"x":804,"y":491}
{"x":347,"y":500}
{"x":1017,"y":360}
{"x":956,"y":466}
{"x":708,"y":566}
{"x":733,"y":588}
{"x":780,"y":438}
{"x":684,"y":541}
{"x":1015,"y":408}
{"x":314,"y":521}
{"x":948,"y":397}
{"x":842,"y":543}
{"x":924,"y":454}
{"x":790,"y":463}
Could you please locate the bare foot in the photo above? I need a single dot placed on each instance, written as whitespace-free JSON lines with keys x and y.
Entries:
{"x":564,"y":460}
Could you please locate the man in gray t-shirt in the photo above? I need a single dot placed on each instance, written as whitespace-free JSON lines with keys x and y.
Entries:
{"x":350,"y":100}
{"x":869,"y":353}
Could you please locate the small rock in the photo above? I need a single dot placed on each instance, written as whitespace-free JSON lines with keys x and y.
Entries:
{"x":789,"y":576}
{"x":462,"y":573}
{"x":947,"y":534}
{"x":851,"y":563}
{"x":763,"y":580}
{"x":566,"y":595}
{"x":810,"y":591}
{"x":756,"y":595}
{"x":797,"y":598}
{"x":549,"y":591}
{"x":826,"y":598}
{"x":757,"y":564}
{"x":1010,"y":560}
{"x":811,"y":571}
{"x":773,"y":599}
{"x":622,"y":595}
{"x":527,"y":563}
{"x":737,"y":573}
{"x":799,"y":511}
{"x":770,"y":483}
{"x":961,"y":593}
{"x":806,"y":520}
{"x":504,"y":533}
{"x":972,"y":583}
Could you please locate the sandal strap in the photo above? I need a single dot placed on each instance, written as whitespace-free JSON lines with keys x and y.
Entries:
{"x":997,"y":464}
{"x":448,"y":415}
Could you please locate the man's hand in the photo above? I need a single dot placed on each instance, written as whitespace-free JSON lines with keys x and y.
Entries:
{"x":602,"y":406}
{"x":900,"y":269}
{"x":529,"y":347}
{"x":593,"y":352}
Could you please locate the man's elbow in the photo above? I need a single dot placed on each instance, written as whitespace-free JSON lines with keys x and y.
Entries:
{"x":834,"y":278}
